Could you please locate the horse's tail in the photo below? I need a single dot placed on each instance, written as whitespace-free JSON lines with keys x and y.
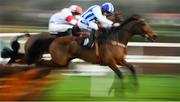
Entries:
{"x":15,"y":46}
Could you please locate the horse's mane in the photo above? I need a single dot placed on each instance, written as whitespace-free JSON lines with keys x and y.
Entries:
{"x":102,"y":38}
{"x":131,"y":18}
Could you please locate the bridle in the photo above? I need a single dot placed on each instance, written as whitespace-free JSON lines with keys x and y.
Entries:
{"x":142,"y":32}
{"x":129,"y":30}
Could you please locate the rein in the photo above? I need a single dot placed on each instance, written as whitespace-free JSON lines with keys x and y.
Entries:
{"x":116,"y":43}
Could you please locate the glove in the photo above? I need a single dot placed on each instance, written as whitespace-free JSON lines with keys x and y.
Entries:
{"x":116,"y":24}
{"x":77,"y":17}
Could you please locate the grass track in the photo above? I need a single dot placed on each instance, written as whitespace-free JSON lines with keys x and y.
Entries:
{"x":94,"y":88}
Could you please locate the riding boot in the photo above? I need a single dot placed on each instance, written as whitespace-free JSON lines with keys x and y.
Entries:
{"x":89,"y":41}
{"x":102,"y":38}
{"x":75,"y":31}
{"x":69,"y":31}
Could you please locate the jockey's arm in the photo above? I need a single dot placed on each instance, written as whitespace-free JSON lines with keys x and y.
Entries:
{"x":102,"y":19}
{"x":71,"y":19}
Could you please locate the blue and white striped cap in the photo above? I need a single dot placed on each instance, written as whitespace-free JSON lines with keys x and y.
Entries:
{"x":108,"y":7}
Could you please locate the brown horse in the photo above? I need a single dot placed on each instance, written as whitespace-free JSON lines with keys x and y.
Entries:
{"x":112,"y":46}
{"x":37,"y":45}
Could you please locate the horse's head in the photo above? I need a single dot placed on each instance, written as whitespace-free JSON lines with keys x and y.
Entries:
{"x":141,"y":27}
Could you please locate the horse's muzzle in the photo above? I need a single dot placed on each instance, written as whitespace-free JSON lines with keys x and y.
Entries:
{"x":152,"y":38}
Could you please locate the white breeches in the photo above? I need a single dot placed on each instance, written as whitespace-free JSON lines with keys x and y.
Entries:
{"x":55,"y":28}
{"x":87,"y":25}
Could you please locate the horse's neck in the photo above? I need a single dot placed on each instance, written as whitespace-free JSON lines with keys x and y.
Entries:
{"x":124,"y":33}
{"x":124,"y":36}
{"x":121,"y":36}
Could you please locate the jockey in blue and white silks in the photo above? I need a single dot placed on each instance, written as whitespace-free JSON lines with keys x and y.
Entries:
{"x":96,"y":14}
{"x":93,"y":15}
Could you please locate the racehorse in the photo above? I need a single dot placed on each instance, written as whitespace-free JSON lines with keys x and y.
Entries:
{"x":112,"y":46}
{"x":37,"y":45}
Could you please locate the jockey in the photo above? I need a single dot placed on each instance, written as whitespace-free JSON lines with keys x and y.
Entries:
{"x":92,"y":16}
{"x":61,"y":22}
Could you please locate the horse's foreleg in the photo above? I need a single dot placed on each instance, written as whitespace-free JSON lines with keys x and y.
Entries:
{"x":114,"y":67}
{"x":119,"y":74}
{"x":131,"y":68}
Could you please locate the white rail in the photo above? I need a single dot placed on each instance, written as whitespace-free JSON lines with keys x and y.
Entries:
{"x":142,"y":59}
{"x":153,"y":44}
{"x":13,"y":34}
{"x":137,"y":44}
{"x":134,"y":59}
{"x":130,"y":58}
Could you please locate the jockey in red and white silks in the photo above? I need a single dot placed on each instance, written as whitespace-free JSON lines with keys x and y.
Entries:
{"x":64,"y":20}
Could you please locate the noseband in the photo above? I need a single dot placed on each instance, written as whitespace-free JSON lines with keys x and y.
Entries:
{"x":129,"y":30}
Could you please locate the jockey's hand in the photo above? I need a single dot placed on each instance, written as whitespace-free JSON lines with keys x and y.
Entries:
{"x":100,"y":26}
{"x":77,"y":17}
{"x":116,"y":24}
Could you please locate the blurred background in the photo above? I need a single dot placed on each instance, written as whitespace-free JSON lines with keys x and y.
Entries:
{"x":37,"y":13}
{"x":157,"y":64}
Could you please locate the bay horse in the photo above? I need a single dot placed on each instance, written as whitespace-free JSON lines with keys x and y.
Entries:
{"x":112,"y":46}
{"x":37,"y":45}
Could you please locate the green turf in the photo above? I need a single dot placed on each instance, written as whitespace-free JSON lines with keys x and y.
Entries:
{"x":165,"y":27}
{"x":95,"y":88}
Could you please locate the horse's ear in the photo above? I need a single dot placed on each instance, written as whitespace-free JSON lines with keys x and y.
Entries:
{"x":118,"y":12}
{"x":119,"y":16}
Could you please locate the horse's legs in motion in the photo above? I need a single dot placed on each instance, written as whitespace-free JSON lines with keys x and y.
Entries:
{"x":131,"y":68}
{"x":116,"y":70}
{"x":114,"y":67}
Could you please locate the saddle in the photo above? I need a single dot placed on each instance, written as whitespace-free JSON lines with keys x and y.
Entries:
{"x":86,"y":38}
{"x":76,"y":31}
{"x":61,"y":34}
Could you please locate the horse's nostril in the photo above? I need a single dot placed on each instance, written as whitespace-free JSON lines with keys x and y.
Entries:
{"x":155,"y":37}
